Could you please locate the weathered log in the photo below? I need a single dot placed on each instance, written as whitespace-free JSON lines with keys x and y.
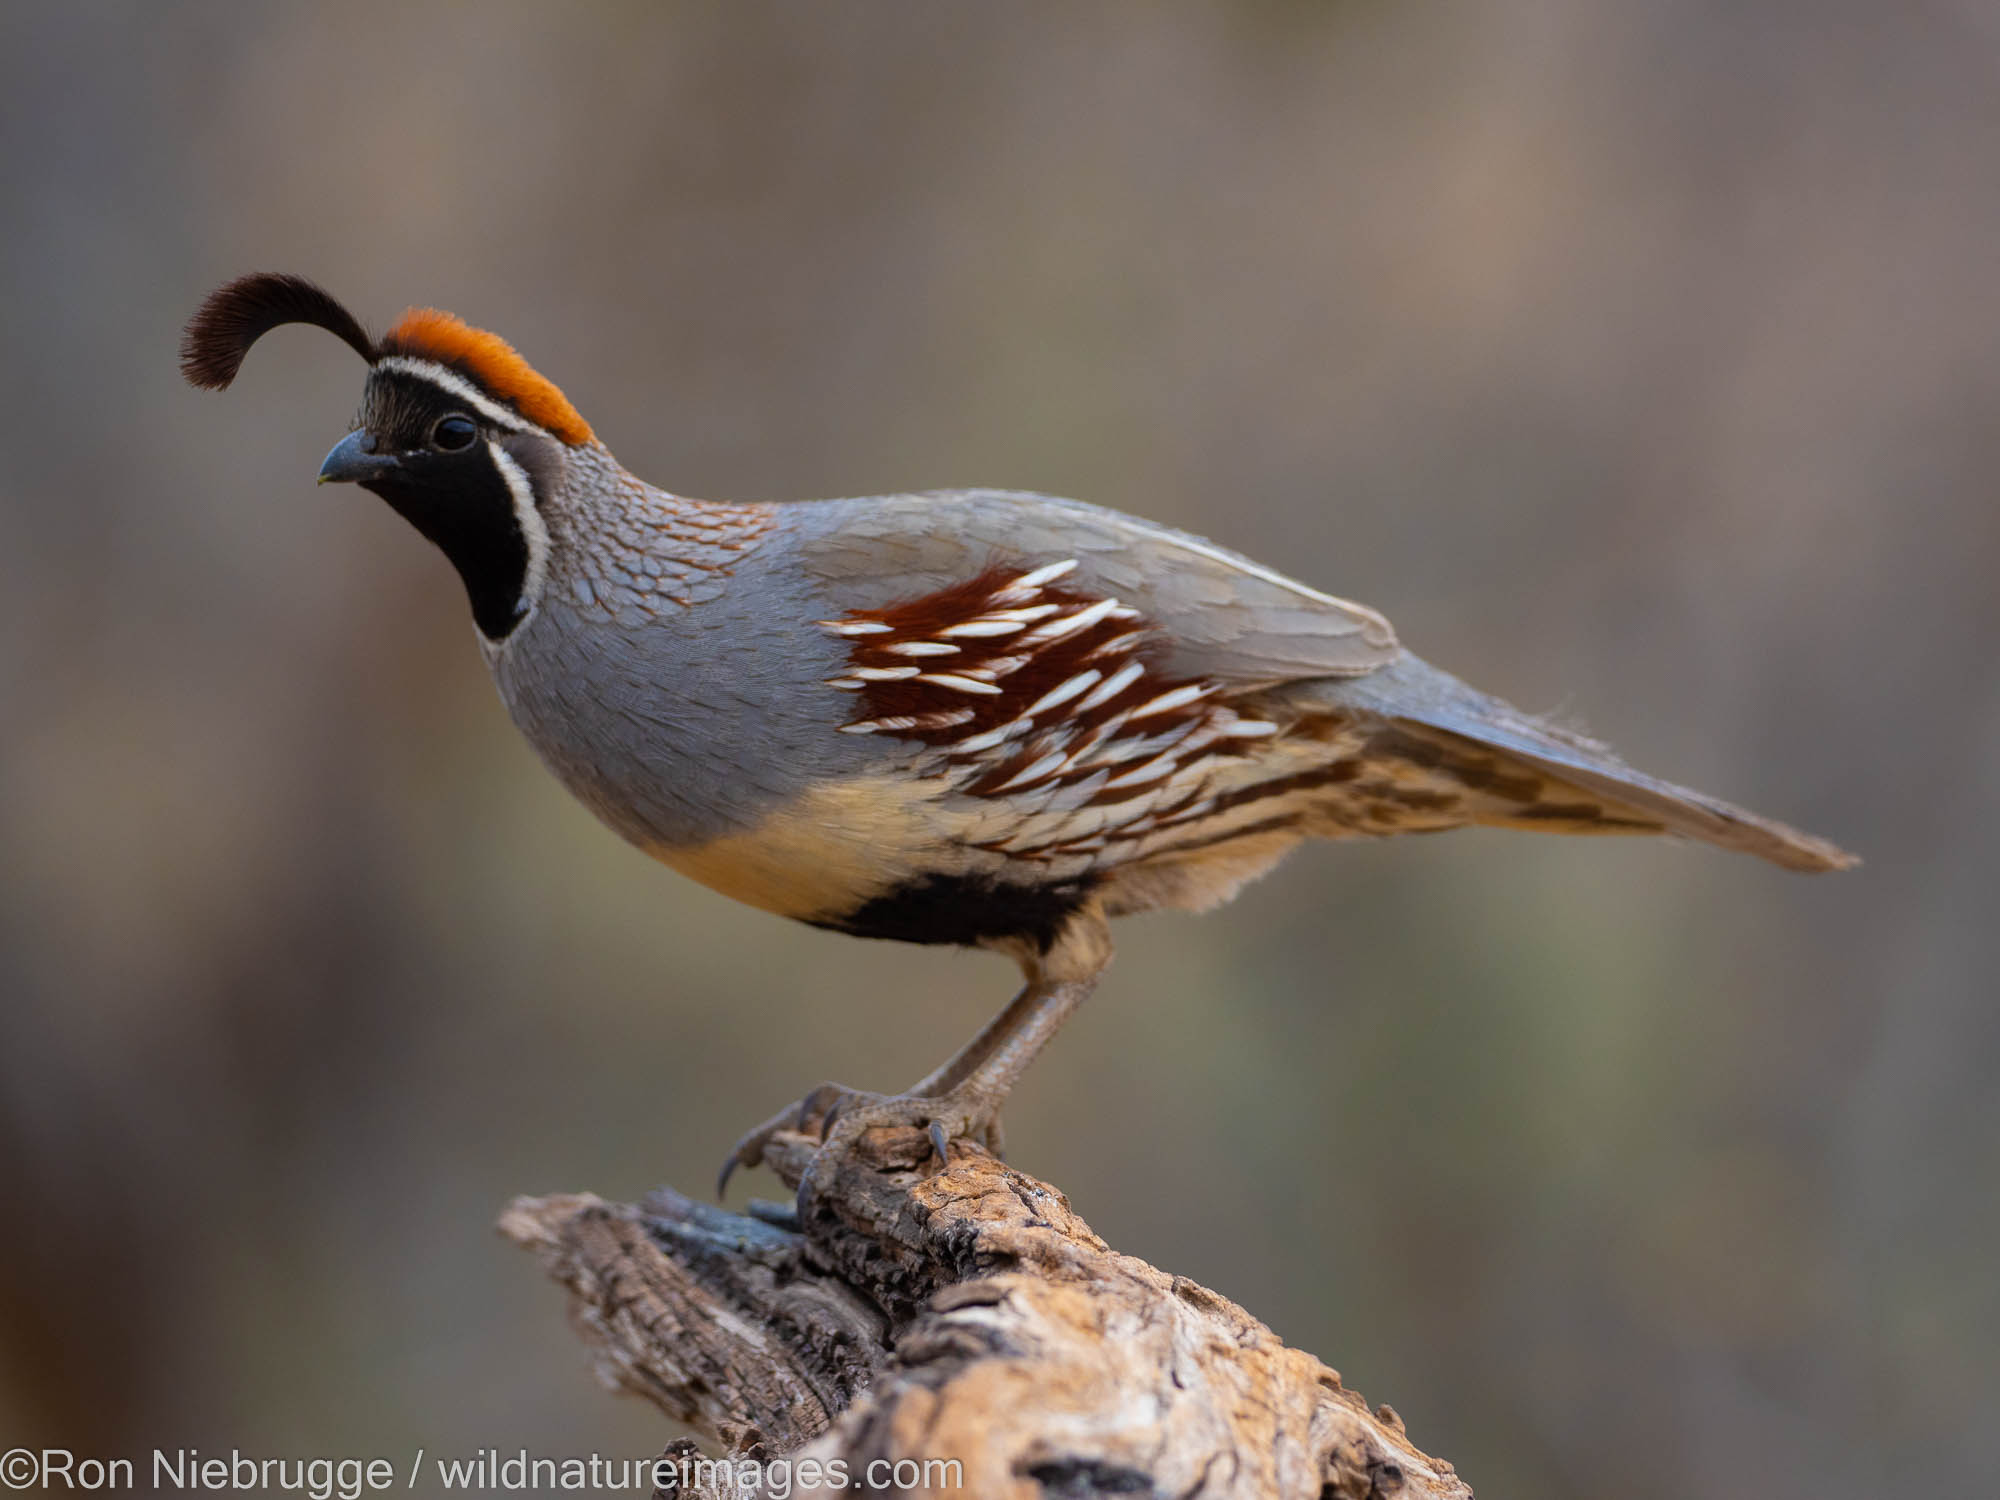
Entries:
{"x":963,"y":1315}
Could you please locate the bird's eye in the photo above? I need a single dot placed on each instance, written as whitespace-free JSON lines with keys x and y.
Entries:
{"x":454,"y":433}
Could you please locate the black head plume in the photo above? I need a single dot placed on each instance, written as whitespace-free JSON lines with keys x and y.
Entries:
{"x":235,"y":316}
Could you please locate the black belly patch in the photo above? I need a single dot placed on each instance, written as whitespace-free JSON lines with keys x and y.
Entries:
{"x":966,"y":910}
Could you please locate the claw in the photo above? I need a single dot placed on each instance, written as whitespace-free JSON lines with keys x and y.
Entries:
{"x":747,"y":1152}
{"x":826,"y":1101}
{"x":961,"y":1114}
{"x":813,"y":1103}
{"x":833,"y":1113}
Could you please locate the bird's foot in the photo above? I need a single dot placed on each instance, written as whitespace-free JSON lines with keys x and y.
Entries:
{"x":842,"y":1115}
{"x":961,"y":1114}
{"x":749,"y":1151}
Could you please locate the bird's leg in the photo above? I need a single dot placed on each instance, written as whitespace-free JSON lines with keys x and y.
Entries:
{"x":964,"y":1061}
{"x":960,"y":1066}
{"x":962,"y":1098}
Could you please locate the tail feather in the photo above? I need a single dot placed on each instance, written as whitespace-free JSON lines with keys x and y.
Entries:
{"x":1535,"y":775}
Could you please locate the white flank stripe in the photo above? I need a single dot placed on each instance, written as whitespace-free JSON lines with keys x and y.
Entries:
{"x":846,"y":684}
{"x":960,"y":684}
{"x":1081,"y":753}
{"x":1074,"y":759}
{"x":1118,"y":645}
{"x":1121,"y":750}
{"x":1115,"y":684}
{"x":1069,"y":625}
{"x":857,"y":729}
{"x":1103,"y":734}
{"x":990,"y":738}
{"x":1079,"y":792}
{"x":885,"y":674}
{"x":856,"y":627}
{"x":1138,"y":810}
{"x":1152,"y":770}
{"x":1034,"y":772}
{"x":1041,"y":576}
{"x":1168,"y":702}
{"x":988,"y":626}
{"x":1027,"y":614}
{"x":920,"y":648}
{"x":1066,"y":692}
{"x":1248,"y":729}
{"x":1196,"y":742}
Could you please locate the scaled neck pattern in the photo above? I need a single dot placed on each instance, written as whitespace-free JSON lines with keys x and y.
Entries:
{"x":630,"y":552}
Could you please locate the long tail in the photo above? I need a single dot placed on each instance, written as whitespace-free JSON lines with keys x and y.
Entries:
{"x":1523,"y":773}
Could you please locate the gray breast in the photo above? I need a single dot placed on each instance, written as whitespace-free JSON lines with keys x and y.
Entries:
{"x":678,"y":722}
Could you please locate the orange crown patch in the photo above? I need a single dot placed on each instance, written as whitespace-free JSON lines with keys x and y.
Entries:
{"x":489,"y":361}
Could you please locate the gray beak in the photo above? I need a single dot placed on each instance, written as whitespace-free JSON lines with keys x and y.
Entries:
{"x":355,"y":461}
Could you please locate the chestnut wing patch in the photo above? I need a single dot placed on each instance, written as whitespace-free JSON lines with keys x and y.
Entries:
{"x":1029,"y":690}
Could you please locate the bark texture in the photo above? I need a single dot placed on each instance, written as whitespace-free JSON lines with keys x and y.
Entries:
{"x":964,"y":1313}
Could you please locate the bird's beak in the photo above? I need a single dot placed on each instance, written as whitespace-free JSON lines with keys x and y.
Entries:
{"x":355,"y":461}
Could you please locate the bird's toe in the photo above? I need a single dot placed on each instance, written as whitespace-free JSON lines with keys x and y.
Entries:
{"x":815,"y":1114}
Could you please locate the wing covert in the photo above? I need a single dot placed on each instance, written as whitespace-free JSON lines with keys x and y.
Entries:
{"x":1215,"y":613}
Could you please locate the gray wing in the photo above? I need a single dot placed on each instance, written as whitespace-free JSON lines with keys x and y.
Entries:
{"x":1232,"y":620}
{"x":1222,"y":615}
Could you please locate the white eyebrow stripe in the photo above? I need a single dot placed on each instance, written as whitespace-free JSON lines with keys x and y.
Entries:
{"x":457,"y":385}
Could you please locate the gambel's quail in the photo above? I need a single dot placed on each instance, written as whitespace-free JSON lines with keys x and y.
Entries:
{"x":969,"y":716}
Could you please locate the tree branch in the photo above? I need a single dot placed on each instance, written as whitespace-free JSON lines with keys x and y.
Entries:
{"x":959,"y":1314}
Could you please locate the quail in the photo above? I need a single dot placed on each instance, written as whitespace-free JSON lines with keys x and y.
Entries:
{"x":972,"y":717}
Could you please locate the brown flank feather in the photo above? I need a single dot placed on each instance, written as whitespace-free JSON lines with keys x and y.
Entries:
{"x":992,"y":673}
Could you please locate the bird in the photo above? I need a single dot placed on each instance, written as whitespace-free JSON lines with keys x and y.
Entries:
{"x":976,"y":717}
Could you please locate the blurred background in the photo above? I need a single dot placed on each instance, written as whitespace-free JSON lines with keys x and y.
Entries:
{"x":1638,"y":359}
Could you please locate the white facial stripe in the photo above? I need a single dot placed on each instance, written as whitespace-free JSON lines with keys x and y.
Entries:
{"x":534,"y":531}
{"x":456,"y":385}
